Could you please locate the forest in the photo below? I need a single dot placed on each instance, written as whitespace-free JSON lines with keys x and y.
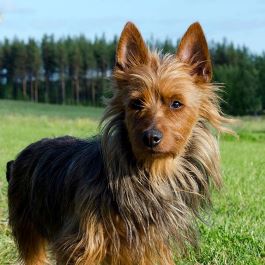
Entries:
{"x":77,"y":70}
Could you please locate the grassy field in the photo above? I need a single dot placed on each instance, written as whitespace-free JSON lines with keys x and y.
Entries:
{"x":235,"y":233}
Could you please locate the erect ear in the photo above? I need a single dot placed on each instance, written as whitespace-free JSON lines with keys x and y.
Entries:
{"x":193,"y":50}
{"x":131,"y":48}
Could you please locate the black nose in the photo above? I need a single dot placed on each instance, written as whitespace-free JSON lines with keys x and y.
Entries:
{"x":152,"y":137}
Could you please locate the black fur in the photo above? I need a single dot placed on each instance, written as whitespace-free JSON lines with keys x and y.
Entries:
{"x":47,"y":175}
{"x":9,"y":167}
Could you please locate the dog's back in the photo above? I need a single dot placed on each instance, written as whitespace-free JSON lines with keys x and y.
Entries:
{"x":43,"y":182}
{"x":9,"y":167}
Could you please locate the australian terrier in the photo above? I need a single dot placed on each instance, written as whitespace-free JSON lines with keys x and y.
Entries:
{"x":132,"y":194}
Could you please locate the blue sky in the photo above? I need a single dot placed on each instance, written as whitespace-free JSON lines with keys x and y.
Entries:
{"x":242,"y":22}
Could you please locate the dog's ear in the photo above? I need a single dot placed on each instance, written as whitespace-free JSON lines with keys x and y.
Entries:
{"x":131,"y":48}
{"x":193,"y":50}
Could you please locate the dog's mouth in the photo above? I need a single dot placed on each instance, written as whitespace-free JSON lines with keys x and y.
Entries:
{"x":155,"y":151}
{"x":145,"y":151}
{"x":158,"y":153}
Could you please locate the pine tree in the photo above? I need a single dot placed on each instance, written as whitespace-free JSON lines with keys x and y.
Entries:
{"x":62,"y":63}
{"x":33,"y":65}
{"x":48,"y":49}
{"x":18,"y":63}
{"x":88,"y":66}
{"x":75,"y":62}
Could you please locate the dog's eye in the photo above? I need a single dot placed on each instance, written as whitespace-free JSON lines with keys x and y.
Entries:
{"x":175,"y":104}
{"x":136,"y":104}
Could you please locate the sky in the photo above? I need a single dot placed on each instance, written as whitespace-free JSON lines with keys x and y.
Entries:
{"x":239,"y":21}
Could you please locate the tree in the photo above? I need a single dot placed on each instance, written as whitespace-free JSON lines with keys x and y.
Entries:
{"x":33,"y":64}
{"x":62,"y":63}
{"x":48,"y":51}
{"x":101,"y":55}
{"x":18,"y":62}
{"x":240,"y":91}
{"x":88,"y":65}
{"x":75,"y":62}
{"x":260,"y":66}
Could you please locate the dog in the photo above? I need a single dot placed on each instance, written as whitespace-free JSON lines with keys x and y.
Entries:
{"x":132,"y":194}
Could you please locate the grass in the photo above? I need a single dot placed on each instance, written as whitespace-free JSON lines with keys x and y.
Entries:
{"x":235,"y":233}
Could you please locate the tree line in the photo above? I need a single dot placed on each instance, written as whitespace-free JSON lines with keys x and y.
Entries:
{"x":77,"y":70}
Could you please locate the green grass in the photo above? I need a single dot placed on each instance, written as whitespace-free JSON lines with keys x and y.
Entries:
{"x":235,"y":233}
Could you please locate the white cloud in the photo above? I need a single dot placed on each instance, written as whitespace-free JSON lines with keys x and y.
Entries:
{"x":9,"y":6}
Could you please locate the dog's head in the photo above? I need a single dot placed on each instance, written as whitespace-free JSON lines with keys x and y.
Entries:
{"x":162,"y":97}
